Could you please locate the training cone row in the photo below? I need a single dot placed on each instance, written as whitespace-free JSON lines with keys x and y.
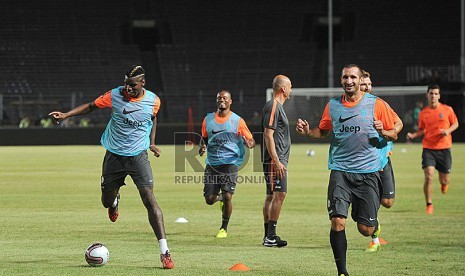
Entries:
{"x":239,"y":267}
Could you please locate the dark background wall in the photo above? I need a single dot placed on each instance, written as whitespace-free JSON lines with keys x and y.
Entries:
{"x":58,"y":54}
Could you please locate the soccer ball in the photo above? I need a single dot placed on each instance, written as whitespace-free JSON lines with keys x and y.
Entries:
{"x":97,"y":254}
{"x":310,"y":152}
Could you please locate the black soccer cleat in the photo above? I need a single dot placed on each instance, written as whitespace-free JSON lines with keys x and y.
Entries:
{"x":275,"y":241}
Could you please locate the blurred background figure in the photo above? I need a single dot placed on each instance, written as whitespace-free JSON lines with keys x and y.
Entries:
{"x":46,"y":122}
{"x":416,"y":113}
{"x":84,"y":122}
{"x":25,"y":122}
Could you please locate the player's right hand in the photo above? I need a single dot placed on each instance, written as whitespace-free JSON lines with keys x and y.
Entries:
{"x":302,"y":127}
{"x":156,"y":151}
{"x":56,"y":116}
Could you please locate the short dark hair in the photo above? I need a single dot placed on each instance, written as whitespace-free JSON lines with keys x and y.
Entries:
{"x":354,"y":65}
{"x":433,"y":86}
{"x":135,"y":70}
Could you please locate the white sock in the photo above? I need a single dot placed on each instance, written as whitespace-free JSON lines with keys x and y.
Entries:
{"x":163,"y":246}
{"x":375,"y":240}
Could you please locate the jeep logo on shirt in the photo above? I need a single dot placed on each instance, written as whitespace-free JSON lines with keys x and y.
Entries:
{"x":133,"y":123}
{"x":353,"y":129}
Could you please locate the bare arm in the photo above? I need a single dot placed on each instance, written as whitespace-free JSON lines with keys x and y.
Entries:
{"x":203,"y":145}
{"x":271,"y":147}
{"x":156,"y":151}
{"x":79,"y":110}
{"x":415,"y":134}
{"x":451,"y":129}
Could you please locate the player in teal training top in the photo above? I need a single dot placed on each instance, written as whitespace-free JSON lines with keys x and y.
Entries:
{"x":224,"y":135}
{"x":129,"y":133}
{"x":356,"y":120}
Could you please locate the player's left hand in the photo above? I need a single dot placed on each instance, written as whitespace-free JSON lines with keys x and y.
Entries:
{"x":249,"y":143}
{"x":156,"y":151}
{"x":443,"y":132}
{"x":202,"y":150}
{"x":378,"y":124}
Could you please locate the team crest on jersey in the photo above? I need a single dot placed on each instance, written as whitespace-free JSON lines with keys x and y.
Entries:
{"x":441,"y":116}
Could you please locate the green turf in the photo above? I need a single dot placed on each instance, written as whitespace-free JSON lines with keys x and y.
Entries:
{"x":50,"y":212}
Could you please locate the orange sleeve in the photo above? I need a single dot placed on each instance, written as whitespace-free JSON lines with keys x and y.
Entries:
{"x":394,"y":115}
{"x":156,"y":107}
{"x":243,"y":130}
{"x":385,"y":113}
{"x":326,"y":123}
{"x":452,"y":116}
{"x":204,"y":128}
{"x":104,"y":100}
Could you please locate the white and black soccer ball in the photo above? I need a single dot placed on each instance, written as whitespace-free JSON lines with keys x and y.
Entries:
{"x":310,"y":152}
{"x":97,"y":254}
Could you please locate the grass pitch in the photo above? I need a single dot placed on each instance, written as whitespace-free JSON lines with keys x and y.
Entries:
{"x":50,"y":212}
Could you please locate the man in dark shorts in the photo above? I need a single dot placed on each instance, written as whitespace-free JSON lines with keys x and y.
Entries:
{"x":129,"y":133}
{"x":355,"y":158}
{"x":224,"y":134}
{"x":436,"y":122}
{"x":388,"y":185}
{"x":275,"y":156}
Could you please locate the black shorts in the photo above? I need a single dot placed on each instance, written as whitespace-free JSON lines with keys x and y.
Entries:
{"x":388,"y":184}
{"x":272,"y":183}
{"x":115,"y":169}
{"x":439,"y":159}
{"x":359,"y":189}
{"x":216,"y":178}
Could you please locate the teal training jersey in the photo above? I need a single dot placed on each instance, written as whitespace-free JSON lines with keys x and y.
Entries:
{"x":225,"y":145}
{"x":128,"y":131}
{"x":355,"y":145}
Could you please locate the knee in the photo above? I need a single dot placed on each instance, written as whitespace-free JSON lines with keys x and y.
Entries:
{"x":227,"y":196}
{"x":444,"y":180}
{"x":268,"y":199}
{"x":107,"y":201}
{"x":365,"y":230}
{"x":107,"y":204}
{"x":429,"y":175}
{"x":148,"y":199}
{"x":338,"y":224}
{"x":210,"y":200}
{"x":280,"y":196}
{"x":387,"y":202}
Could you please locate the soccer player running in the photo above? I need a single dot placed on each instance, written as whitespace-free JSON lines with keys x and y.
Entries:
{"x":388,"y":185}
{"x":436,"y":122}
{"x":275,"y":156}
{"x":129,"y":133}
{"x":224,"y":135}
{"x":355,"y":158}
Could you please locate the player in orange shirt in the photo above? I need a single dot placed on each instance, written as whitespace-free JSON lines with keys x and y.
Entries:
{"x":436,"y":122}
{"x":224,"y":134}
{"x":357,"y":120}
